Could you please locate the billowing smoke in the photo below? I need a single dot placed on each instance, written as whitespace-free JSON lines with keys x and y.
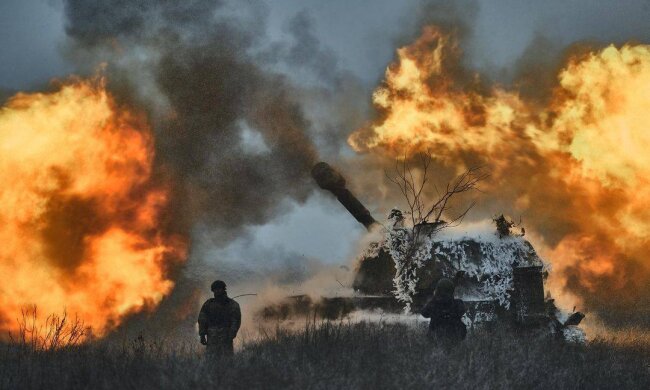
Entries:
{"x":231,"y":130}
{"x":232,"y":133}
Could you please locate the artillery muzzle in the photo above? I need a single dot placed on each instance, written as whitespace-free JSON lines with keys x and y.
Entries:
{"x":332,"y":181}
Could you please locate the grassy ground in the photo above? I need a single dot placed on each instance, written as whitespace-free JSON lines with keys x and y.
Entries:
{"x":363,"y":355}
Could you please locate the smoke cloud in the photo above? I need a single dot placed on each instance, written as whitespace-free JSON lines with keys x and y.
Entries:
{"x":197,"y":59}
{"x":233,"y":133}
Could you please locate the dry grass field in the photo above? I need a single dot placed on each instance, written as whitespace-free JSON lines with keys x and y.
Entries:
{"x":366,"y":355}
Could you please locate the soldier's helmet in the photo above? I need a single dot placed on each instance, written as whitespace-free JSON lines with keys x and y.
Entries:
{"x":444,"y":289}
{"x":218,"y":284}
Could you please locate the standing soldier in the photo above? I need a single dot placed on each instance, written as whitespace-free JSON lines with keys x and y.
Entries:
{"x":445,"y":312}
{"x":219,"y":321}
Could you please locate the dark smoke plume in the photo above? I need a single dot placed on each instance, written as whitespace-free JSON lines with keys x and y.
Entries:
{"x":231,"y":131}
{"x":197,"y":59}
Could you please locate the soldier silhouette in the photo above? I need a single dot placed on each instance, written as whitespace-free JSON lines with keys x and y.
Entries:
{"x":445,"y":312}
{"x":219,"y":321}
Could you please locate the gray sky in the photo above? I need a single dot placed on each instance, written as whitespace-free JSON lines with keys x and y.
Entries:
{"x":362,"y":33}
{"x":363,"y":37}
{"x":31,"y":36}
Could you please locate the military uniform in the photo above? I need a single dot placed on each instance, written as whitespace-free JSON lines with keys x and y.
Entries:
{"x":445,"y":312}
{"x":219,"y":321}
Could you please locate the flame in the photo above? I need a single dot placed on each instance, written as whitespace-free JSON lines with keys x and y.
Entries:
{"x":575,"y":166}
{"x":79,"y":212}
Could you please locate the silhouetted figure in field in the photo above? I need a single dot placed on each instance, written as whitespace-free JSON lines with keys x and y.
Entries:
{"x":445,"y":312}
{"x":219,"y":321}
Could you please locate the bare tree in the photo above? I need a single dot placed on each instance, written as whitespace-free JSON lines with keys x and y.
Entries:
{"x":426,"y":217}
{"x":422,"y":212}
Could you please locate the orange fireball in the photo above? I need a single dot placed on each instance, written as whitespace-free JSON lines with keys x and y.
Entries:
{"x":79,"y":211}
{"x":576,"y":166}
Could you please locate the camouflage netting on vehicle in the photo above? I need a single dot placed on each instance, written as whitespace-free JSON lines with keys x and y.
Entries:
{"x":485,"y":260}
{"x":499,"y":277}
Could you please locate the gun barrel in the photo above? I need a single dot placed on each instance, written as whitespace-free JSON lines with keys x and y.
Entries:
{"x":329,"y":179}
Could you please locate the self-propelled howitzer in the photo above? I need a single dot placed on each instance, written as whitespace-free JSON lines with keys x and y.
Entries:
{"x":501,"y":278}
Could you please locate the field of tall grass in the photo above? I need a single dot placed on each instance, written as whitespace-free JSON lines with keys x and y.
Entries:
{"x":327,"y":355}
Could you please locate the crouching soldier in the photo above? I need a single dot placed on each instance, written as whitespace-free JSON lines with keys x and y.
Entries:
{"x":219,"y":322}
{"x":445,"y":312}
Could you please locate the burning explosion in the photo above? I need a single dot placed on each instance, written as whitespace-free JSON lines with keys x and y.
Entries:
{"x":80,"y":214}
{"x":575,"y":165}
